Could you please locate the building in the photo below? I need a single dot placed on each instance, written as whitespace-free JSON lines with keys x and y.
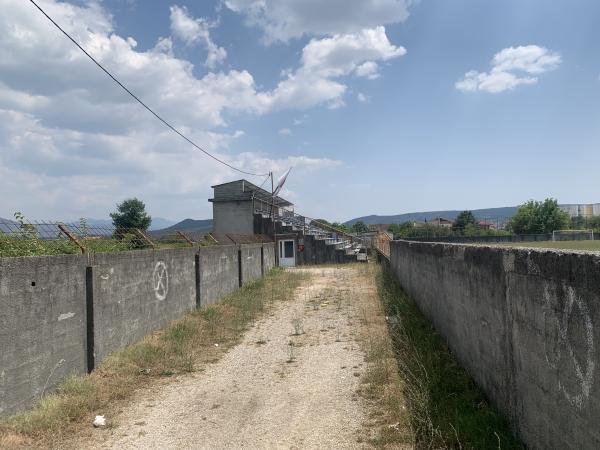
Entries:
{"x":245,"y":213}
{"x":441,"y":222}
{"x":235,"y":204}
{"x":583,"y":210}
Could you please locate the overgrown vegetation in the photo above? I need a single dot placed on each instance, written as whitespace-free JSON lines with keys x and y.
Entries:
{"x":186,"y":345}
{"x":446,"y":409}
{"x":536,"y":217}
{"x":23,"y":238}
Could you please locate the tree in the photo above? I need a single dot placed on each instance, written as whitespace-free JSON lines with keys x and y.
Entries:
{"x":465,"y":221}
{"x":341,"y":226}
{"x":131,"y":213}
{"x":402,"y":230}
{"x":536,"y":217}
{"x":360,"y":227}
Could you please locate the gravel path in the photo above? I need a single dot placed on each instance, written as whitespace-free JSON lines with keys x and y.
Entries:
{"x":290,"y":384}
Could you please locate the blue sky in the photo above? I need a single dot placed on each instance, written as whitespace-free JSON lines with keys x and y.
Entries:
{"x":382,"y":107}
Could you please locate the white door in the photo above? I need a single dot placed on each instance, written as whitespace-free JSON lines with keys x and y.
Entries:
{"x":287,"y":253}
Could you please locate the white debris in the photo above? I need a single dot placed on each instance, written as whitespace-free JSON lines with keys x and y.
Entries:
{"x":216,"y":345}
{"x":99,"y":421}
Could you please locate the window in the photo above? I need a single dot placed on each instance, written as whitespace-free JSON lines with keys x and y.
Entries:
{"x":289,"y":249}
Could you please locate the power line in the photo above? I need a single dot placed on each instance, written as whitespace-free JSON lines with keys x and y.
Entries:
{"x":167,"y":124}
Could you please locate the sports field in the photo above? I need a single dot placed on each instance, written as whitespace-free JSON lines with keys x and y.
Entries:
{"x":593,"y":246}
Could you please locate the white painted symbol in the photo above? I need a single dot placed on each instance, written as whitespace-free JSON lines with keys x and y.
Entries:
{"x":562,"y":345}
{"x":160,"y":280}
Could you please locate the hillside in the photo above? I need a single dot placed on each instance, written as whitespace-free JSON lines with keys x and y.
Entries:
{"x":187,"y":225}
{"x":489,"y":213}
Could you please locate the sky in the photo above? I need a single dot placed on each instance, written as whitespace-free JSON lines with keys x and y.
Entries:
{"x":380,"y":106}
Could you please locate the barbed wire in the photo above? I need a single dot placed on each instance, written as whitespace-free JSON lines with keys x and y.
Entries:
{"x":33,"y":238}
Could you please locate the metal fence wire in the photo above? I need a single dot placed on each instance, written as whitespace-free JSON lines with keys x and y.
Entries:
{"x":20,"y":238}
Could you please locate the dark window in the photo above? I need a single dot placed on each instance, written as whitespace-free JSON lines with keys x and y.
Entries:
{"x":289,"y":249}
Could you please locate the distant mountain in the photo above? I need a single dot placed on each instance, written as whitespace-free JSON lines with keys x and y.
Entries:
{"x":187,"y":225}
{"x":501,"y":214}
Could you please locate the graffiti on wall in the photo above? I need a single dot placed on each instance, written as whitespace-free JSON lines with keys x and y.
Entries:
{"x":575,"y":369}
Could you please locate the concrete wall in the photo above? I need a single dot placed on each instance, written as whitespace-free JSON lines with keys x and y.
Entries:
{"x":219,"y":272}
{"x":64,"y":314}
{"x":42,"y":326}
{"x":233,"y":217}
{"x":268,"y":257}
{"x":138,"y":292}
{"x":524,"y":323}
{"x":251,"y":262}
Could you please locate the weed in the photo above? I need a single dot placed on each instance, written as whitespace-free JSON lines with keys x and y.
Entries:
{"x":291,"y":357}
{"x":298,"y":326}
{"x":446,"y":408}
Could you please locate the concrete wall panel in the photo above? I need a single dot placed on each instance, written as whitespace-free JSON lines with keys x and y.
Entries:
{"x":268,"y":257}
{"x":138,"y":292}
{"x":219,"y":272}
{"x":525,"y":324}
{"x":42,"y":326}
{"x":251,"y":262}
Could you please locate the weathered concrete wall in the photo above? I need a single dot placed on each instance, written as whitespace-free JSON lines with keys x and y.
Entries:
{"x":525,"y":323}
{"x":268,"y":257}
{"x":42,"y":326}
{"x":64,"y":314}
{"x":138,"y":292}
{"x":251,"y":262}
{"x":219,"y":272}
{"x":233,"y":217}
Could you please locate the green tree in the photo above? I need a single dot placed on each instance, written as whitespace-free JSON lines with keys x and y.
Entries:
{"x":539,"y":217}
{"x":402,"y":230}
{"x":131,"y":213}
{"x":465,"y":221}
{"x":341,"y":226}
{"x":360,"y":227}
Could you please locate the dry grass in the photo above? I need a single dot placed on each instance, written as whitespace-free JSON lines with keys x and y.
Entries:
{"x":445,"y":407}
{"x":389,"y":426}
{"x":186,"y":345}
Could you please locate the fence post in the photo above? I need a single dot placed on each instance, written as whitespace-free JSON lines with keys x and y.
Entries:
{"x":71,"y":236}
{"x":198,"y":272}
{"x":89,"y":318}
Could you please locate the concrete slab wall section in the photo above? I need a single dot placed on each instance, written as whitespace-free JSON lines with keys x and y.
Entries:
{"x":525,"y":324}
{"x":251,"y":262}
{"x":42,"y":326}
{"x":219,"y":272}
{"x":138,"y":292}
{"x":268,"y":257}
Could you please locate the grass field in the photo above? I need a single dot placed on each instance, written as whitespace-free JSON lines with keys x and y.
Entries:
{"x":593,"y":246}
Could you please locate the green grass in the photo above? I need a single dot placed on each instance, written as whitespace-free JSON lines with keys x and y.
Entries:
{"x":446,"y":408}
{"x":185,"y":345}
{"x":563,"y":245}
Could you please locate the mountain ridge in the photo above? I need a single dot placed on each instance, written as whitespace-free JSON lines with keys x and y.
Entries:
{"x":501,"y":214}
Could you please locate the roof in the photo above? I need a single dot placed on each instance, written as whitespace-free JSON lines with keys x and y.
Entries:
{"x":244,"y":190}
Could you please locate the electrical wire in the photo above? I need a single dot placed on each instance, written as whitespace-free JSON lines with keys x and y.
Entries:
{"x":167,"y":124}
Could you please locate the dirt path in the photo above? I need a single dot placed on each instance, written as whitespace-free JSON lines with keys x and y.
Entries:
{"x":290,"y":384}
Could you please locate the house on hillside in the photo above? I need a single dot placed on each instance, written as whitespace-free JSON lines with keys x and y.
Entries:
{"x":442,"y":222}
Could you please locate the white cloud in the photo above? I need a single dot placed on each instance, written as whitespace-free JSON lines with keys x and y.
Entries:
{"x":326,"y":60}
{"x":368,"y":70}
{"x":511,"y":67}
{"x":282,"y":20}
{"x":73,"y":142}
{"x":192,"y":30}
{"x":363,"y":98}
{"x":285,"y":132}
